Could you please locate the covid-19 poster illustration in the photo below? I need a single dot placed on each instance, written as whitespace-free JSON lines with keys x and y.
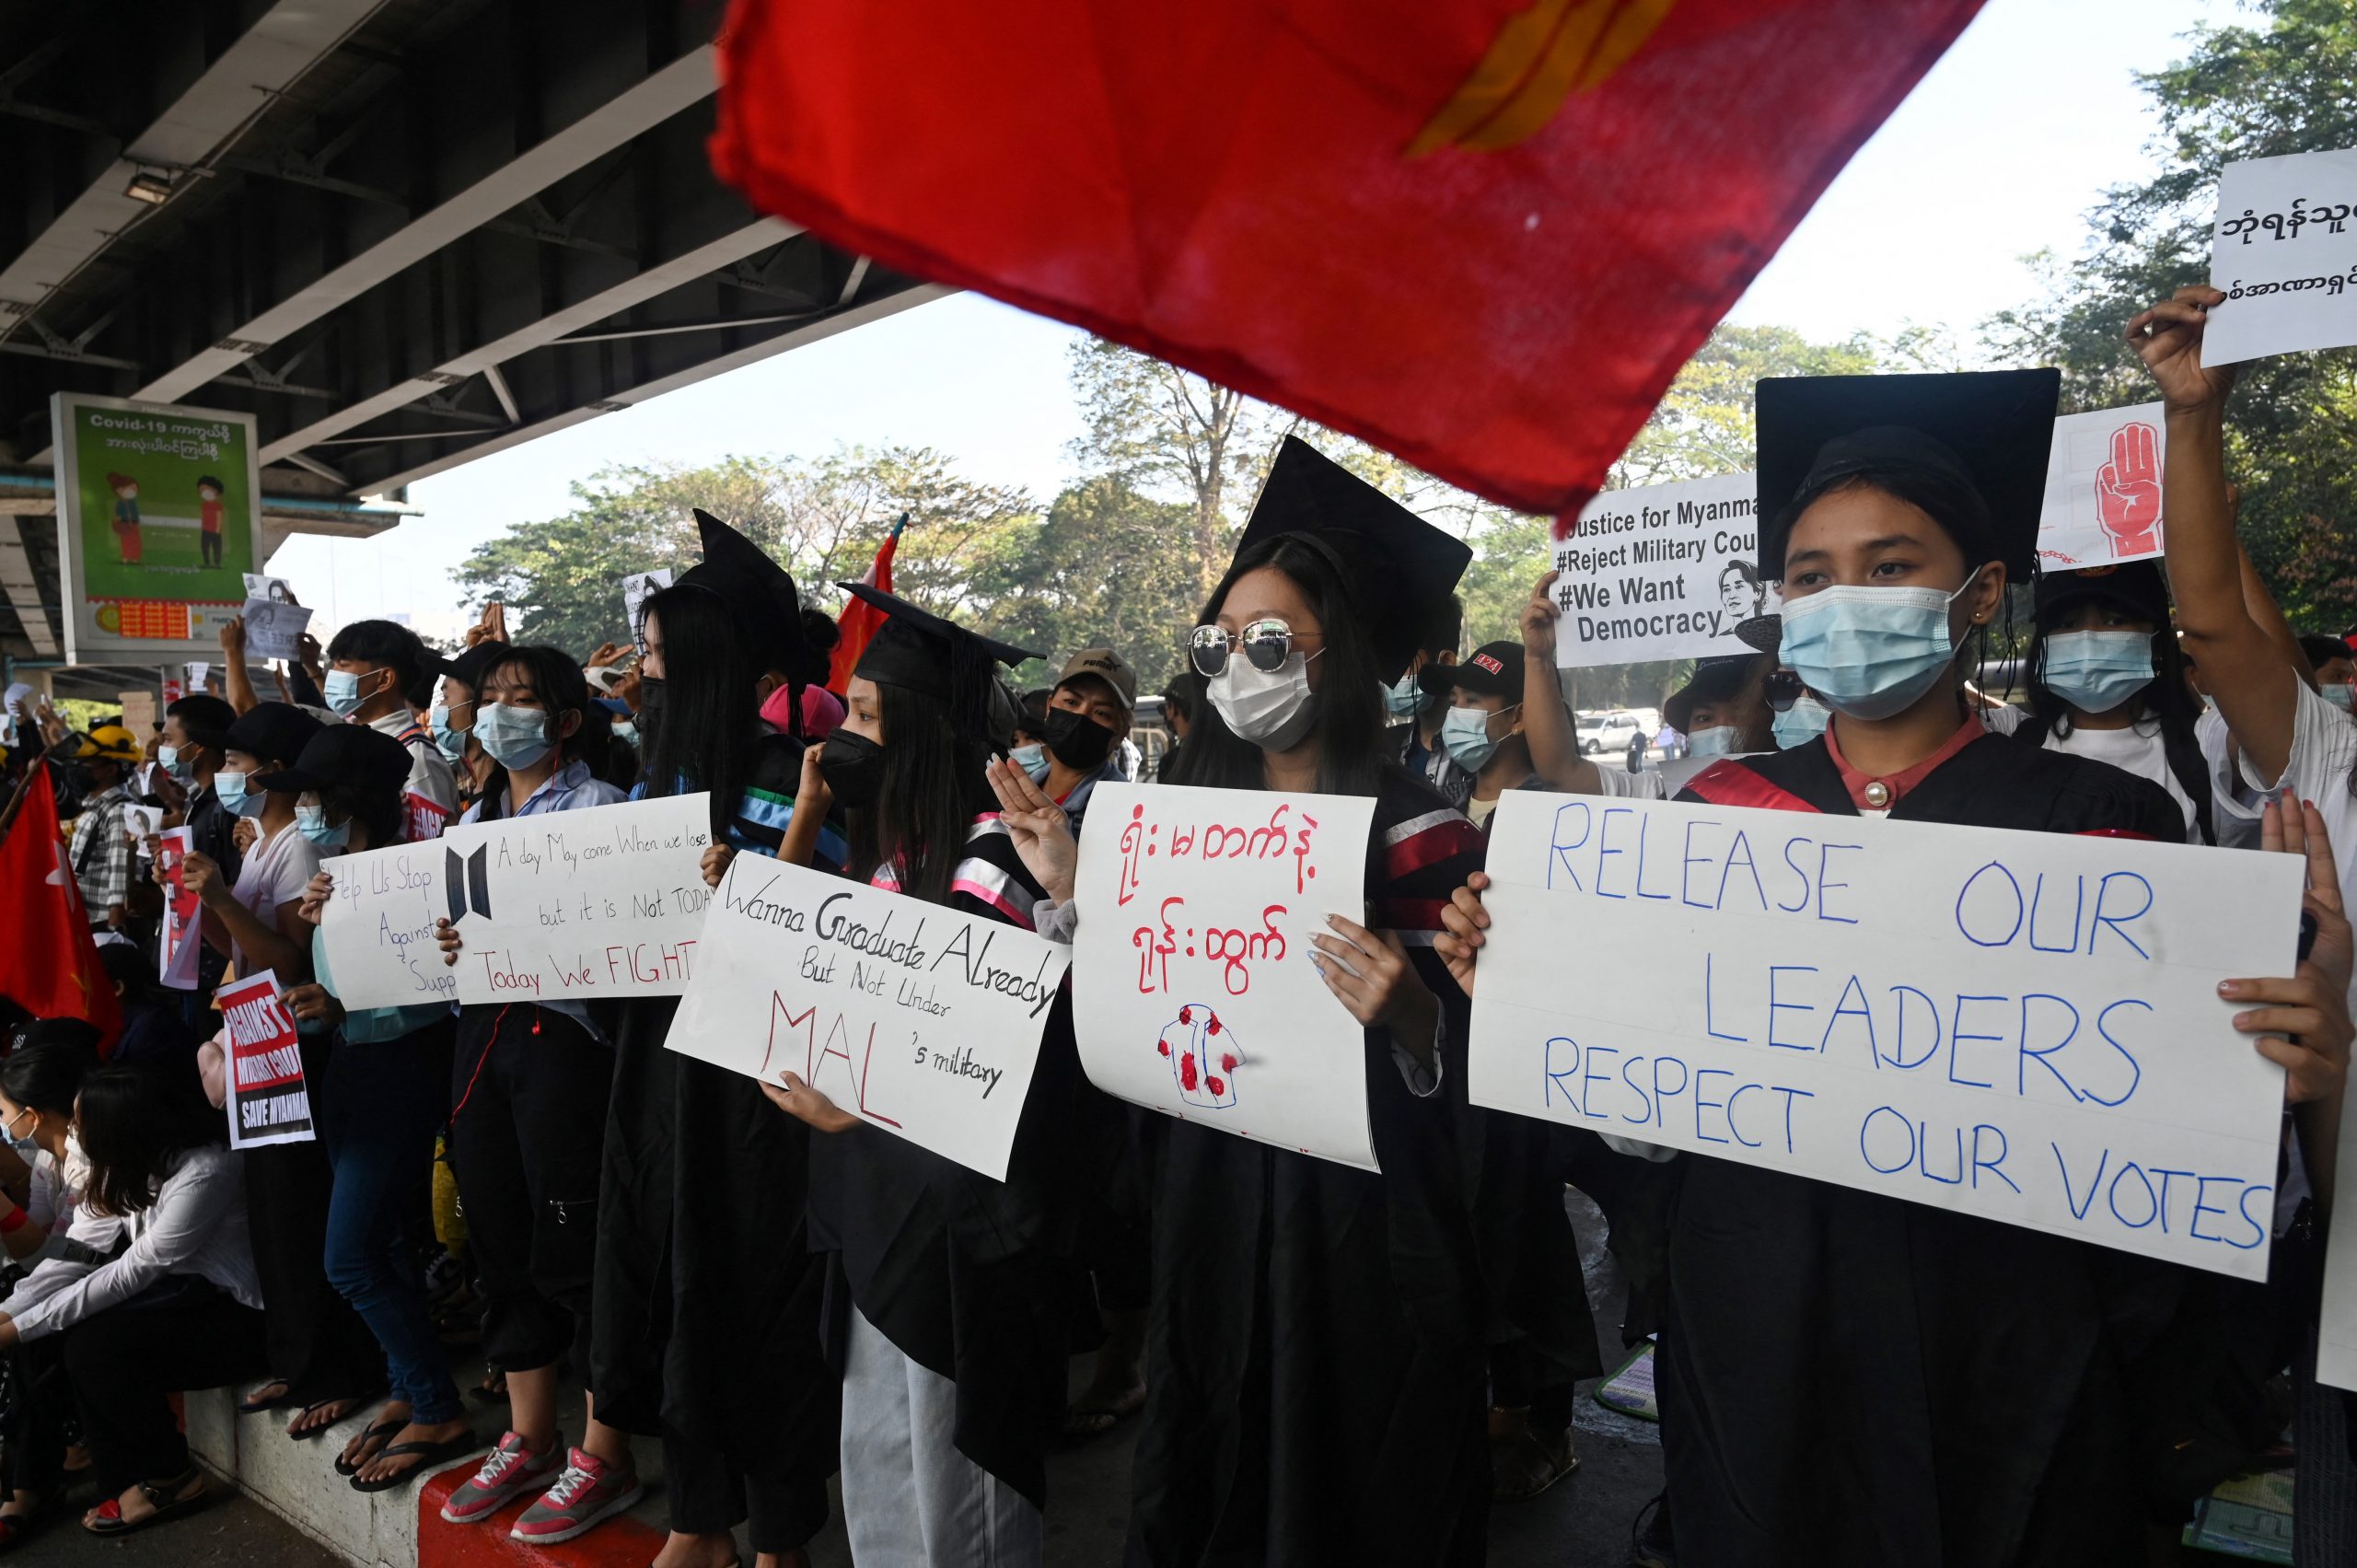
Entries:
{"x":159,"y":519}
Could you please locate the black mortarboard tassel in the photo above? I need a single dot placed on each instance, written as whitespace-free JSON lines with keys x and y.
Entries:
{"x":1984,"y":432}
{"x":1400,"y":566}
{"x":760,"y":594}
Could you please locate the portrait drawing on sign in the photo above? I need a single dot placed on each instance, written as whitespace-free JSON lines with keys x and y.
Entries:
{"x":1203,"y":1057}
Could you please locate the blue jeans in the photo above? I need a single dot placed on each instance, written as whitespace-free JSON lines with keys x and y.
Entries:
{"x":385,"y":1104}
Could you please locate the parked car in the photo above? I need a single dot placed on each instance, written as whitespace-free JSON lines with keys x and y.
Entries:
{"x":1603,"y":732}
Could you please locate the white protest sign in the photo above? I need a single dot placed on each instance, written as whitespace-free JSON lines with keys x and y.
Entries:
{"x":571,"y":906}
{"x":2337,"y":1328}
{"x":916,"y":1018}
{"x":1666,"y":572}
{"x":379,"y":929}
{"x":2022,"y":1026}
{"x":269,"y":1099}
{"x":274,"y":630}
{"x":143,"y":821}
{"x":183,"y":935}
{"x":2103,"y":488}
{"x":2285,"y":256}
{"x":637,"y":589}
{"x":1192,"y":987}
{"x":261,"y":586}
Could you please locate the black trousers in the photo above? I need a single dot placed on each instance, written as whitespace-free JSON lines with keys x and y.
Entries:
{"x":528,"y":1140}
{"x":707,"y":1495}
{"x":32,"y":1427}
{"x":124,"y":1361}
{"x":317,"y":1342}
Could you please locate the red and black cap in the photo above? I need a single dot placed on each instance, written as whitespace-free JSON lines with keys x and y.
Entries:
{"x":1494,"y":670}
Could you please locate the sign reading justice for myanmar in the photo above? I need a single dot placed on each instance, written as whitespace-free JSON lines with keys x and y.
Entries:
{"x":2023,"y":1027}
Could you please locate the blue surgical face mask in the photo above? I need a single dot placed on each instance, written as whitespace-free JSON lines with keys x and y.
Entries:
{"x":2338,"y":692}
{"x":2096,"y":671}
{"x":451,"y":743}
{"x":1403,"y":698}
{"x":1027,"y":758}
{"x":1869,"y":652}
{"x":1719,"y":741}
{"x":515,"y":737}
{"x":311,"y":821}
{"x":230,"y":788}
{"x":1801,"y":723}
{"x":169,"y":758}
{"x":1465,"y":734}
{"x":344,"y":692}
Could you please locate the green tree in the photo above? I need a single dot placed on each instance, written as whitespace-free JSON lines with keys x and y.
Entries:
{"x":1106,"y":566}
{"x":2279,"y":85}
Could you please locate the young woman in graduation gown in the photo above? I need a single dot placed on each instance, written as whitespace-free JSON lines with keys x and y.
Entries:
{"x":1317,"y":1333}
{"x":947,"y":1294}
{"x":705,"y":1324}
{"x":1847,"y":1378}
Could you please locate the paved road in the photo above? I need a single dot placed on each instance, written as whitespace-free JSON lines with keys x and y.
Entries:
{"x":234,"y":1533}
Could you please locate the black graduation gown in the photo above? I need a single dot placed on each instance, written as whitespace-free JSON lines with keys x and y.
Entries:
{"x":1315,"y":1350}
{"x":970,"y":1278}
{"x":706,"y":1299}
{"x":1847,"y":1378}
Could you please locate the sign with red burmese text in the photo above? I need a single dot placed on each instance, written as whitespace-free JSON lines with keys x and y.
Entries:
{"x":1193,"y":993}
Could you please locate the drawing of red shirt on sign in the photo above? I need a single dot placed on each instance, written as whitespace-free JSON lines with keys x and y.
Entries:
{"x":1203,"y":1057}
{"x":209,"y":492}
{"x":126,"y":517}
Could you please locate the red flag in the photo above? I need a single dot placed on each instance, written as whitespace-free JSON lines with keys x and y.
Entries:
{"x":1483,"y":235}
{"x":49,"y":964}
{"x":860,"y":619}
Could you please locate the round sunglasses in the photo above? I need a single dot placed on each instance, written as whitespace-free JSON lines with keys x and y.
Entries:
{"x":1266,"y":645}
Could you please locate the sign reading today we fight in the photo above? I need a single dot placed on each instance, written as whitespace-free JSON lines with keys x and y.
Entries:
{"x":2023,"y":1027}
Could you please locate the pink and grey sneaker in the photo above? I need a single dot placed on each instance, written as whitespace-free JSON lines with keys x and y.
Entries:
{"x":508,"y":1472}
{"x":588,"y":1493}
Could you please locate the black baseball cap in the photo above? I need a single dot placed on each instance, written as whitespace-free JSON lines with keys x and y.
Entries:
{"x":204,"y":718}
{"x":1714,"y":681}
{"x":275,"y":732}
{"x":2136,"y":586}
{"x":1494,"y":670}
{"x":342,"y":756}
{"x":470,"y":667}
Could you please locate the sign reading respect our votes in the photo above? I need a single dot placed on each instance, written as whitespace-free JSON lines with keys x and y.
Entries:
{"x":574,"y":906}
{"x":921,"y":1019}
{"x":2023,"y":1027}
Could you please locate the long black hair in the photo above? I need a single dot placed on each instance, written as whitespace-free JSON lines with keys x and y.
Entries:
{"x":706,"y":733}
{"x":556,"y":680}
{"x":46,"y":1076}
{"x":932,"y":791}
{"x":2166,"y":705}
{"x":1350,"y":699}
{"x":132,"y":1130}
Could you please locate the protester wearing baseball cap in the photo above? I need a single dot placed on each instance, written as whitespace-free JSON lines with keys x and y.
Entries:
{"x":100,"y":856}
{"x":1087,"y":720}
{"x":1483,"y":731}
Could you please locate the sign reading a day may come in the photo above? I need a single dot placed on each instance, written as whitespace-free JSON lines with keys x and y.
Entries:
{"x":1193,"y":993}
{"x":2022,"y":1026}
{"x":570,"y":906}
{"x":918,"y":1019}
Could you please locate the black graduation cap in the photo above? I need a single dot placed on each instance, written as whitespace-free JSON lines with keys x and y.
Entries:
{"x":759,"y":593}
{"x":1400,"y":566}
{"x":1989,"y":430}
{"x":917,"y":649}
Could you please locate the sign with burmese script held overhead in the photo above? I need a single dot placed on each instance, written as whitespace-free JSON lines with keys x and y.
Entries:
{"x":2022,"y":1026}
{"x":270,"y":1101}
{"x":572,"y":906}
{"x":1193,"y":990}
{"x":378,"y":927}
{"x":2285,"y":254}
{"x":1662,"y":572}
{"x":921,"y":1019}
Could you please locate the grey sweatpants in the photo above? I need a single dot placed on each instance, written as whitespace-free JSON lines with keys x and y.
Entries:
{"x":909,"y":1496}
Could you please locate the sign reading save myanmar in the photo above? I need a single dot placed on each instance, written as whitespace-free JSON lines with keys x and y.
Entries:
{"x":2022,"y":1026}
{"x":270,"y":1101}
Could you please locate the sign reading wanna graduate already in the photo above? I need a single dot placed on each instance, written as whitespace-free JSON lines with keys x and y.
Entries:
{"x":918,"y":1019}
{"x":2023,"y":1027}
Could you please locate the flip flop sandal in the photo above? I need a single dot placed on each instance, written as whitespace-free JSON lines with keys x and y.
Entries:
{"x":380,"y":1433}
{"x":164,"y":1499}
{"x":15,"y":1527}
{"x":1542,"y":1469}
{"x":354,"y":1400}
{"x":280,"y":1401}
{"x":429,"y":1454}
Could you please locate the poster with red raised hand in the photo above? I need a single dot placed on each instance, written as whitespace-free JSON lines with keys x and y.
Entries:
{"x":1194,"y":992}
{"x":2102,"y":488}
{"x":182,"y":935}
{"x":270,"y":1101}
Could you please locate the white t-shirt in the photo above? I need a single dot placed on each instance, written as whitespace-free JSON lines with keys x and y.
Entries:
{"x":2233,"y":801}
{"x":275,"y":872}
{"x":2136,"y":748}
{"x":2324,"y":749}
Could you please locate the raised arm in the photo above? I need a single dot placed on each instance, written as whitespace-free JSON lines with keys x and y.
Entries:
{"x":2255,"y":689}
{"x":234,"y":674}
{"x":1546,"y":727}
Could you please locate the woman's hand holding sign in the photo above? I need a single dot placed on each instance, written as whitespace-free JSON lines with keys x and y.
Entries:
{"x":806,"y":1105}
{"x":1464,"y":920}
{"x":446,"y":937}
{"x":2303,"y":1023}
{"x":1369,"y":971}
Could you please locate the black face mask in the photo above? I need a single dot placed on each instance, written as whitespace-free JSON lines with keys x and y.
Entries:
{"x":650,"y":705}
{"x":852,"y":766}
{"x":1077,"y":740}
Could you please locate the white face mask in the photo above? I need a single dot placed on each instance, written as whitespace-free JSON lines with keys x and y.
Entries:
{"x":1719,"y":741}
{"x":75,"y":1169}
{"x":1274,"y":709}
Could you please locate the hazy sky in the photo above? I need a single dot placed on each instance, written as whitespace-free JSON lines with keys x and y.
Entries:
{"x":1999,"y":152}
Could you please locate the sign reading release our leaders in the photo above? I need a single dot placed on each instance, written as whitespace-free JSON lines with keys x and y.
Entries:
{"x":572,"y":906}
{"x":916,"y":1018}
{"x":1194,"y":992}
{"x":1666,"y":572}
{"x":2022,"y":1026}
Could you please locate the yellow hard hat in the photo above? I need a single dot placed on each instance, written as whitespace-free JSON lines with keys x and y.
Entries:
{"x":115,"y":743}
